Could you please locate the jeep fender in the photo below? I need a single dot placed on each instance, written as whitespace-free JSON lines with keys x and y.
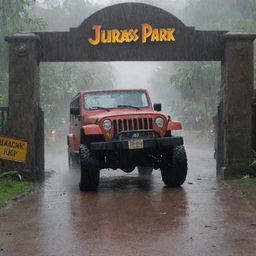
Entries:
{"x":173,"y":125}
{"x":92,"y":129}
{"x":71,"y":142}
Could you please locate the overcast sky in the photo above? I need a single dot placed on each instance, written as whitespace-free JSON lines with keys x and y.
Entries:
{"x":173,"y":6}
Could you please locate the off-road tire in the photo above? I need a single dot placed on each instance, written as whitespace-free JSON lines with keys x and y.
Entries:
{"x":174,"y":168}
{"x":90,"y":171}
{"x":145,"y":171}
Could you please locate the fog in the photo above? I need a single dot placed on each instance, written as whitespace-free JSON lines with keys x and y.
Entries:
{"x":176,"y":7}
{"x":125,"y":74}
{"x":133,"y":74}
{"x":187,"y":91}
{"x":139,"y":74}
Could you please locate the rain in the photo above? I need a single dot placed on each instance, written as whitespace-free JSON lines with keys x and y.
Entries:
{"x":124,"y":145}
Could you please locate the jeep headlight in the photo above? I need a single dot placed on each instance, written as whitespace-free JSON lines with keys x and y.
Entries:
{"x":107,"y":125}
{"x":159,"y":122}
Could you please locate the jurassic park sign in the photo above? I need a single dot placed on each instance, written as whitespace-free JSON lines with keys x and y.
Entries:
{"x":12,"y":149}
{"x":146,"y":34}
{"x":131,"y":32}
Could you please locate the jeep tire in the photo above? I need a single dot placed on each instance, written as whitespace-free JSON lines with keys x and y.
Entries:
{"x":90,"y":171}
{"x":145,"y":171}
{"x":174,"y":168}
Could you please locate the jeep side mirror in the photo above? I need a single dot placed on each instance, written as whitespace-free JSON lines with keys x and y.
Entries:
{"x":75,"y":111}
{"x":158,"y":107}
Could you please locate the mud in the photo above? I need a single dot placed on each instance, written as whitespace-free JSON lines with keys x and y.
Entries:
{"x":131,"y":216}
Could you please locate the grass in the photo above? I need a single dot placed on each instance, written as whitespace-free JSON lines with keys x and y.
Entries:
{"x":248,"y":181}
{"x":9,"y":189}
{"x":252,"y":167}
{"x":247,"y":186}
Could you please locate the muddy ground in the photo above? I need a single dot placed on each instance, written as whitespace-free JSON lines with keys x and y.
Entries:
{"x":131,"y":216}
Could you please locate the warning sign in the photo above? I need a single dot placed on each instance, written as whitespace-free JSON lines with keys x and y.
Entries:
{"x":12,"y":149}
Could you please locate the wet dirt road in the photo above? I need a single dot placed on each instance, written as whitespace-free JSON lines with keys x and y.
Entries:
{"x":131,"y":216}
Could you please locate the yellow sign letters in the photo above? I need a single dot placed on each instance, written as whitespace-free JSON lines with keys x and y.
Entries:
{"x":147,"y":33}
{"x":12,"y":149}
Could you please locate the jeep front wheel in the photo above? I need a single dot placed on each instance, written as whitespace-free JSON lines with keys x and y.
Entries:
{"x":174,"y":168}
{"x":145,"y":171}
{"x":90,"y":170}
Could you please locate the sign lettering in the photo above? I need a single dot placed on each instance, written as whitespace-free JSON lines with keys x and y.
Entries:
{"x":147,"y":34}
{"x":12,"y":149}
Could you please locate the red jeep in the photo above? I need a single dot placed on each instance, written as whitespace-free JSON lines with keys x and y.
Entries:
{"x":120,"y":129}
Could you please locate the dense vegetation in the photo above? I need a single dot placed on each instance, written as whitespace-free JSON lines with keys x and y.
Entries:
{"x":197,"y":83}
{"x":59,"y":82}
{"x":14,"y":17}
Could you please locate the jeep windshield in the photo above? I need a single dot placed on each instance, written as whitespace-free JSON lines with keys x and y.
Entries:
{"x":115,"y":99}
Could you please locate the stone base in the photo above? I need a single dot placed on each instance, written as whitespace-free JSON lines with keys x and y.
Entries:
{"x":235,"y":172}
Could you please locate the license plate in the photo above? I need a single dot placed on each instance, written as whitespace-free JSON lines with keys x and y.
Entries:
{"x":135,"y":144}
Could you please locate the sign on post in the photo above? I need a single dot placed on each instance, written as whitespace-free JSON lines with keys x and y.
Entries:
{"x":12,"y":149}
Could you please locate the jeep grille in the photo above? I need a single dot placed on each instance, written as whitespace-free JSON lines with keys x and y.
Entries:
{"x":121,"y":125}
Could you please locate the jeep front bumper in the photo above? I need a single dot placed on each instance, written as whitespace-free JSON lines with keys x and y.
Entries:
{"x":154,"y":143}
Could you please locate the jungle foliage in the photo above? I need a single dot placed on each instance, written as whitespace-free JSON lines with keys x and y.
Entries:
{"x":205,"y":77}
{"x":59,"y":82}
{"x":14,"y":17}
{"x":198,"y":83}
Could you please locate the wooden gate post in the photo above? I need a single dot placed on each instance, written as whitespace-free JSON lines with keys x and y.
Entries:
{"x":235,"y":136}
{"x":25,"y":119}
{"x":254,"y":122}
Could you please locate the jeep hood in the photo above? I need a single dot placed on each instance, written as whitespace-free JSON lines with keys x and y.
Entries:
{"x":123,"y":113}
